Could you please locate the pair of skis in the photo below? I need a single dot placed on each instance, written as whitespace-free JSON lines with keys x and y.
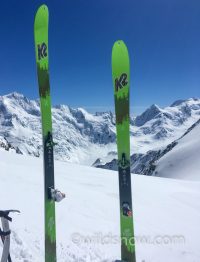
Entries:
{"x":121,"y":81}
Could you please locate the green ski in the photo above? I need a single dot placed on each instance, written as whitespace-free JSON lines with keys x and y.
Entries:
{"x":121,"y":83}
{"x":41,"y":49}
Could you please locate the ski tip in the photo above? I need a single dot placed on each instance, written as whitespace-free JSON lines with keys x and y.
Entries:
{"x":119,"y":51}
{"x":41,"y":17}
{"x":42,"y":8}
{"x":119,"y":43}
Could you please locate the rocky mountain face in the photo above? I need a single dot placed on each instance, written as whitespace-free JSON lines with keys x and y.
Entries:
{"x":87,"y":138}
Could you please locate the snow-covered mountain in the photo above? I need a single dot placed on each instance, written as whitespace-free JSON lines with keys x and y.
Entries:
{"x":162,"y":126}
{"x":166,"y":213}
{"x":80,"y":136}
{"x":86,"y":138}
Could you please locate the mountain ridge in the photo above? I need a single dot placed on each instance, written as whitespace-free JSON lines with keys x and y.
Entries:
{"x":83,"y":137}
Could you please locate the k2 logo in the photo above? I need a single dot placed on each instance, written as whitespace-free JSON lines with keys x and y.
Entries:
{"x":121,"y":82}
{"x":42,"y":51}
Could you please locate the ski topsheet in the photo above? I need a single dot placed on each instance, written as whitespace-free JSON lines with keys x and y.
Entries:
{"x":41,"y":49}
{"x":121,"y":83}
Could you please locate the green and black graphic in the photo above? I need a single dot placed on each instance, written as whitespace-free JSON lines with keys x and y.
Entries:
{"x":121,"y":83}
{"x":41,"y":49}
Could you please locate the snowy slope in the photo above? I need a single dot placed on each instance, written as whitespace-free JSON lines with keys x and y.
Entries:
{"x":183,"y":161}
{"x":163,"y":208}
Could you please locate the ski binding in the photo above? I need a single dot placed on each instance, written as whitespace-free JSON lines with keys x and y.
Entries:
{"x":55,"y":194}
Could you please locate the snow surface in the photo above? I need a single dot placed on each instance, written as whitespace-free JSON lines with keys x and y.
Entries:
{"x":183,"y":160}
{"x":163,"y":208}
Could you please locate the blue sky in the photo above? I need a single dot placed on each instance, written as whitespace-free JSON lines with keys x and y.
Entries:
{"x":163,"y":38}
